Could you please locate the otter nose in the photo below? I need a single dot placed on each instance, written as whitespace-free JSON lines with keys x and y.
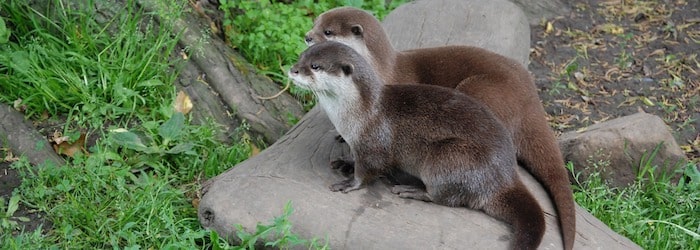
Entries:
{"x":308,"y":39}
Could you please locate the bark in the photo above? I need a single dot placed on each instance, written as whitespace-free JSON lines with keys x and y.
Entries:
{"x":215,"y":74}
{"x":222,"y":85}
{"x":23,"y":139}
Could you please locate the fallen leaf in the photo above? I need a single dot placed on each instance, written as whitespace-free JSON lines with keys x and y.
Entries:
{"x":610,"y":28}
{"x":195,"y":203}
{"x":549,"y":27}
{"x":646,"y":101}
{"x":9,"y":157}
{"x":70,"y":149}
{"x":184,"y":55}
{"x":58,"y":137}
{"x":183,"y":103}
{"x":17,"y":104}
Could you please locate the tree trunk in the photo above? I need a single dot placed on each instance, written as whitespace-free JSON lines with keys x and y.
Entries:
{"x":216,"y":74}
{"x":297,"y":167}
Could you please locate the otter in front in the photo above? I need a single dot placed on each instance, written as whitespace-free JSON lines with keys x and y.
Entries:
{"x":453,"y":144}
{"x":500,"y":83}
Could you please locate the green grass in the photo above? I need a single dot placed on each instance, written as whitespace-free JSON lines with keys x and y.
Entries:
{"x":66,"y":63}
{"x":653,"y":212}
{"x":135,"y":188}
{"x":250,"y":25}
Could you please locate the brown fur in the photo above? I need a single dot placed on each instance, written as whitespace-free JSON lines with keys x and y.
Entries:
{"x":502,"y":84}
{"x":457,"y":147}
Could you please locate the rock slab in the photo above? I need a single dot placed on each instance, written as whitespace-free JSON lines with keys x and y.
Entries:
{"x":622,"y":147}
{"x":297,"y":168}
{"x":499,"y":26}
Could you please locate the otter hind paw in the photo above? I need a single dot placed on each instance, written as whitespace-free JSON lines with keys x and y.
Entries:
{"x":411,"y":192}
{"x":345,"y":186}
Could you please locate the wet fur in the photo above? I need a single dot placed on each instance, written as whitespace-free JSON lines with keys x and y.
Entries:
{"x":500,"y":83}
{"x":459,"y":150}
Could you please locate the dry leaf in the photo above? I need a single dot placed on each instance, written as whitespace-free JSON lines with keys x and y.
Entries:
{"x":254,"y":150}
{"x":183,"y":104}
{"x":9,"y":157}
{"x":195,"y":203}
{"x":70,"y":149}
{"x":184,"y":55}
{"x":17,"y":104}
{"x":610,"y":28}
{"x":58,"y":138}
{"x":647,"y":101}
{"x":549,"y":27}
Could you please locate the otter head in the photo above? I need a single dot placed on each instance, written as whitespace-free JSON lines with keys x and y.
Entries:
{"x":331,"y":70}
{"x":339,"y":76}
{"x":324,"y":69}
{"x":353,"y":27}
{"x":343,"y":24}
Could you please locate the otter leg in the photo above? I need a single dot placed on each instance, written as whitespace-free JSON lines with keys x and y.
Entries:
{"x":346,"y":167}
{"x":411,"y":192}
{"x":367,"y":168}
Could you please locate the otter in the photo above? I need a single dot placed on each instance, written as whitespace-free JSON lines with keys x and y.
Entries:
{"x":502,"y":84}
{"x":460,"y":151}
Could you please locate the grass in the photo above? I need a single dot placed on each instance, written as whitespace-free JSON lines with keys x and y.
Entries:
{"x":654,"y":212}
{"x":66,"y":63}
{"x":249,"y":26}
{"x":137,"y":186}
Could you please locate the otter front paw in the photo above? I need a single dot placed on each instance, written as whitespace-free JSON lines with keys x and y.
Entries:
{"x":345,"y":186}
{"x":347,"y":168}
{"x":339,"y":139}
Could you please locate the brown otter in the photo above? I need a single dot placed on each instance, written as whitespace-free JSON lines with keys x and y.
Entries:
{"x":500,"y":83}
{"x":460,"y":151}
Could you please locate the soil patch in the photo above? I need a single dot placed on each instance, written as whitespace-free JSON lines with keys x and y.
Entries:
{"x":608,"y":59}
{"x":9,"y":180}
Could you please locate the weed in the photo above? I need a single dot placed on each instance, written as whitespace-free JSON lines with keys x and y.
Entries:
{"x":280,"y":230}
{"x":8,"y":221}
{"x":270,"y":34}
{"x":556,"y":88}
{"x":55,"y":67}
{"x":653,"y":212}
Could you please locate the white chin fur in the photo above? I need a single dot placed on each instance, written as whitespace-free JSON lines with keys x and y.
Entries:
{"x":300,"y":81}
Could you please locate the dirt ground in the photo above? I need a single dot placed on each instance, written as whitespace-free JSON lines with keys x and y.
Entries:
{"x":606,"y":59}
{"x":609,"y":59}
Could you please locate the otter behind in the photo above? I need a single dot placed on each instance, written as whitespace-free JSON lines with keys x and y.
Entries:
{"x":453,"y":144}
{"x":503,"y":85}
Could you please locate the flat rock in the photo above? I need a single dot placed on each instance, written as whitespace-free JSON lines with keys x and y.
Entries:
{"x":618,"y":148}
{"x":499,"y":26}
{"x":296,"y":168}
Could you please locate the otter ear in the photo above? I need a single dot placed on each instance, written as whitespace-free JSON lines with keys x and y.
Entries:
{"x":356,"y":30}
{"x":347,"y":69}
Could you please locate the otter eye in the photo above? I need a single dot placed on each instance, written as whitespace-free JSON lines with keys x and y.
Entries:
{"x":315,"y":66}
{"x":328,"y":32}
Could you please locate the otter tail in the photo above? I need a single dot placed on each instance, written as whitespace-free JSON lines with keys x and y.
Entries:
{"x":540,"y":155}
{"x":518,"y":207}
